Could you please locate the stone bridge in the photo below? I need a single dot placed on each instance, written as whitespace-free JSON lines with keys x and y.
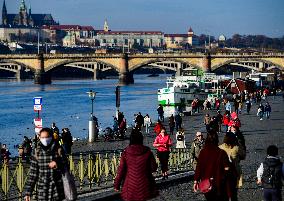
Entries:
{"x":126,"y":64}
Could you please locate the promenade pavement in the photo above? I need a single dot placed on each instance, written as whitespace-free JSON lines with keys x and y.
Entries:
{"x":258,"y":135}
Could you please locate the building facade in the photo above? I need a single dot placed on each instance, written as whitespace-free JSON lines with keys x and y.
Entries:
{"x":178,"y":41}
{"x":108,"y":38}
{"x":70,"y":35}
{"x":25,"y":17}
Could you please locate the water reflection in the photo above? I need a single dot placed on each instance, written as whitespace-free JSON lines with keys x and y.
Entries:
{"x":66,"y":103}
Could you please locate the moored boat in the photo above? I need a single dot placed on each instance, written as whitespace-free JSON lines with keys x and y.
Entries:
{"x":182,"y":90}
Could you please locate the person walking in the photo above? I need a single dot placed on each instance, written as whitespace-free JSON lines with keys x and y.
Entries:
{"x":248,"y":105}
{"x":228,"y":106}
{"x":178,"y":121}
{"x":219,"y":119}
{"x":180,"y":138}
{"x":54,"y":128}
{"x":139,"y":121}
{"x":67,"y":140}
{"x":172,"y":124}
{"x":196,"y":147}
{"x":163,"y":143}
{"x":212,"y":165}
{"x":270,"y":175}
{"x":267,"y":110}
{"x":206,"y":121}
{"x":260,"y":111}
{"x":235,"y":154}
{"x":46,"y":169}
{"x":235,"y":121}
{"x":226,"y":120}
{"x":135,"y":170}
{"x":160,"y":111}
{"x":147,"y":123}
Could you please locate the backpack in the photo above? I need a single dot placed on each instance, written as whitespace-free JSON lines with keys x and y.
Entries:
{"x":180,"y":137}
{"x":272,"y":173}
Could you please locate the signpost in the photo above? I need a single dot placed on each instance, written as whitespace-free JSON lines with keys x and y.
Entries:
{"x":38,"y":124}
{"x":37,"y":108}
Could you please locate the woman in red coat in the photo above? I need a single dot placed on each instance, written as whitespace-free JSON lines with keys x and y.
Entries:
{"x":163,"y":143}
{"x":137,"y":164}
{"x":213,"y":163}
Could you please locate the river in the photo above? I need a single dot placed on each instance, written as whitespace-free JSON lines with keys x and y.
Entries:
{"x":66,"y":102}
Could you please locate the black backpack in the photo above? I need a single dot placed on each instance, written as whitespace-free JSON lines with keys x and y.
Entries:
{"x":272,"y":173}
{"x":180,"y":137}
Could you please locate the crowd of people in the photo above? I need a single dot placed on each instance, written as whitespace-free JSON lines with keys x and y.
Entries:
{"x":216,"y":163}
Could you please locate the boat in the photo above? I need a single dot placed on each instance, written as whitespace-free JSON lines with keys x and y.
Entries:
{"x":182,"y":90}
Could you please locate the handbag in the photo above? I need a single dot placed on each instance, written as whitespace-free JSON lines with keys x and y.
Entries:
{"x":70,"y":190}
{"x":205,"y":185}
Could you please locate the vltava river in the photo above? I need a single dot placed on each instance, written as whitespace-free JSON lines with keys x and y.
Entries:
{"x":67,"y":103}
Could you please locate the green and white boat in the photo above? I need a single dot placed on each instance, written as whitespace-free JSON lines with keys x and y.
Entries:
{"x":182,"y":90}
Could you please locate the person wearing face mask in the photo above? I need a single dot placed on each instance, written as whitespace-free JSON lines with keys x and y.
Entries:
{"x":47,"y":164}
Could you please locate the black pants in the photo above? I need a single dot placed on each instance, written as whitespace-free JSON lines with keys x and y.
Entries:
{"x":164,"y":160}
{"x":272,"y":194}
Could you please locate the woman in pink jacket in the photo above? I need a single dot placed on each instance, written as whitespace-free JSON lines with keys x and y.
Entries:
{"x":163,"y":143}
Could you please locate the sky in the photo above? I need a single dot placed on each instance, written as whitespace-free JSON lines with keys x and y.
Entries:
{"x":212,"y":17}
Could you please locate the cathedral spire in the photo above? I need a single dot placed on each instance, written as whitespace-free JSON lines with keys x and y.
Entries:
{"x":30,"y":10}
{"x":4,"y":14}
{"x":23,"y":5}
{"x":106,"y":28}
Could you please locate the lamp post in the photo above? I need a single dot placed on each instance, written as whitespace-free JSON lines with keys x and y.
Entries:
{"x":92,"y":120}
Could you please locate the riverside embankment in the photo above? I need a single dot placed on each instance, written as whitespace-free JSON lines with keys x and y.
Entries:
{"x":258,"y":135}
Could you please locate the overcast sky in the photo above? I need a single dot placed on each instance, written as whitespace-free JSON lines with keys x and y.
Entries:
{"x":212,"y":17}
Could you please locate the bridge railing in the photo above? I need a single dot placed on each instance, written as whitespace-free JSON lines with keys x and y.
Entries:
{"x":92,"y":171}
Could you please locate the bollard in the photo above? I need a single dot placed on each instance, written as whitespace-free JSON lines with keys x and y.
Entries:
{"x":92,"y":127}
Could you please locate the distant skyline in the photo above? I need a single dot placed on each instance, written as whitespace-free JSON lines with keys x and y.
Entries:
{"x":214,"y":17}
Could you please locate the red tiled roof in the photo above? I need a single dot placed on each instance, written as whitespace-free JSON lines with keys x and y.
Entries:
{"x":130,"y":32}
{"x":190,"y":30}
{"x":176,"y":35}
{"x":69,"y":27}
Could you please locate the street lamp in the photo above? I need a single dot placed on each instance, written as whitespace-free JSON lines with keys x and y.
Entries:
{"x":92,"y":120}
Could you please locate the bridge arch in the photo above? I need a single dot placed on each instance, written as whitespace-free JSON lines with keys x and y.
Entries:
{"x":241,"y":60}
{"x":72,"y":61}
{"x":155,"y":60}
{"x":9,"y":61}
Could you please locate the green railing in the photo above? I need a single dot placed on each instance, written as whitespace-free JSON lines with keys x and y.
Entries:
{"x":91,"y":171}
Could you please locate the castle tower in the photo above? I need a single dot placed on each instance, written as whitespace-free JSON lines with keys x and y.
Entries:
{"x":30,"y":19}
{"x":23,"y":15}
{"x":106,"y":28}
{"x":4,"y":14}
{"x":190,"y":32}
{"x":190,"y":35}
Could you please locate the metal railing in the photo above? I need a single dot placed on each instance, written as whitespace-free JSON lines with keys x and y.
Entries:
{"x":92,"y":171}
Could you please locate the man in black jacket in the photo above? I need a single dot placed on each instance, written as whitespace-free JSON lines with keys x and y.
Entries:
{"x":270,"y":175}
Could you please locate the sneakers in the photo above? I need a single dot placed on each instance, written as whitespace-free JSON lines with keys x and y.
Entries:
{"x":261,"y":119}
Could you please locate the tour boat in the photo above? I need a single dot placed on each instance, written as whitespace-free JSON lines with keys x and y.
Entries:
{"x":182,"y":90}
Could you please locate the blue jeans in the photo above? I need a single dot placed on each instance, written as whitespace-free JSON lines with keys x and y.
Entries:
{"x":272,"y":194}
{"x":267,"y":114}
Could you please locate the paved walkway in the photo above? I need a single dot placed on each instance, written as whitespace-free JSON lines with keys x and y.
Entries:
{"x":258,"y":135}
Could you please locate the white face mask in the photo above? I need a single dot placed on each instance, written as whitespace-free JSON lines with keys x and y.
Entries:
{"x":45,"y":141}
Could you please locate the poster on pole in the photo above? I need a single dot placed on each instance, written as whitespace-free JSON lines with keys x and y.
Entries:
{"x":38,"y":125}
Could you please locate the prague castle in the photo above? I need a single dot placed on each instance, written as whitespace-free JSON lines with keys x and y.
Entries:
{"x":25,"y":17}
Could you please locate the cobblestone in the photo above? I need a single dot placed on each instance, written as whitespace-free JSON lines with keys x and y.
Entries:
{"x":258,"y":135}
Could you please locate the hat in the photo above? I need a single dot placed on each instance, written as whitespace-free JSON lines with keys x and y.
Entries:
{"x":198,"y":133}
{"x":234,"y":115}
